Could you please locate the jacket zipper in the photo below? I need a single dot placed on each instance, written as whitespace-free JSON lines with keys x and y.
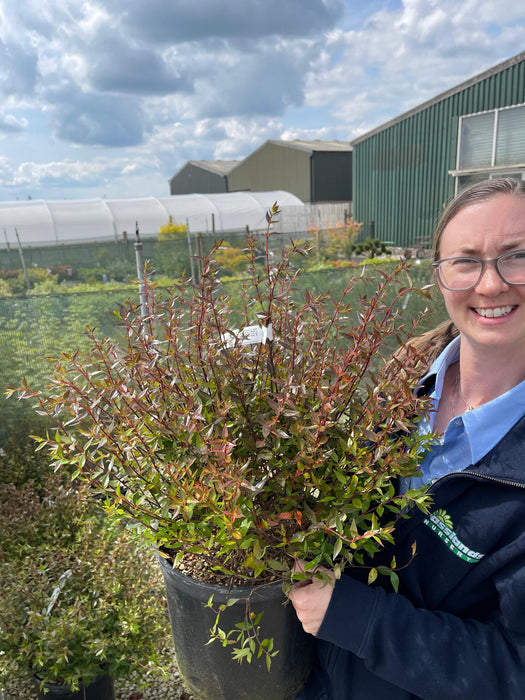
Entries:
{"x":506,"y":482}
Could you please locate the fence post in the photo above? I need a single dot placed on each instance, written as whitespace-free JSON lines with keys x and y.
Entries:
{"x":8,"y":249}
{"x":192,"y":271}
{"x":24,"y":268}
{"x":140,"y":272}
{"x":200,"y":256}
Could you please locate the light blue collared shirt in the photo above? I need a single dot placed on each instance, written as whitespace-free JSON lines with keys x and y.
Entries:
{"x":470,"y":436}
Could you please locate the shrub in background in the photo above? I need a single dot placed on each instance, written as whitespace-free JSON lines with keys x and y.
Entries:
{"x":78,"y":596}
{"x":371,"y":247}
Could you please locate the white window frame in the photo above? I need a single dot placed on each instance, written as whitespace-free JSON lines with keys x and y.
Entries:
{"x":515,"y":169}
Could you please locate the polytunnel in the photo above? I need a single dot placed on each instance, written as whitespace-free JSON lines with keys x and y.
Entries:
{"x":51,"y":222}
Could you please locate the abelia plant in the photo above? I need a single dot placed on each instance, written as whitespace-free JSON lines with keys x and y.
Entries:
{"x":248,"y":431}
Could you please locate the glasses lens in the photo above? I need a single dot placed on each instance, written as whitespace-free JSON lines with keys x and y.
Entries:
{"x":512,"y":267}
{"x":460,"y":273}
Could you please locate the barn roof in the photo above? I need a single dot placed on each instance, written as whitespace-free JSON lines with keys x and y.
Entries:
{"x":221,"y":167}
{"x":315,"y":145}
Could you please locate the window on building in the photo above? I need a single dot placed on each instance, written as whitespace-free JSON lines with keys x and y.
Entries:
{"x":510,"y":137}
{"x":491,"y":144}
{"x":476,"y":141}
{"x":465,"y":181}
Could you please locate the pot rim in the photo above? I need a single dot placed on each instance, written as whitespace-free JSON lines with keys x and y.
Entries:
{"x":234,"y":591}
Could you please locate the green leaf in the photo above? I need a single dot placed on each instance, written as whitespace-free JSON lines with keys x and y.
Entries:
{"x":394,"y":580}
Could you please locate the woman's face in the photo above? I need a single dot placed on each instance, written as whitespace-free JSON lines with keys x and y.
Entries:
{"x":492,"y":314}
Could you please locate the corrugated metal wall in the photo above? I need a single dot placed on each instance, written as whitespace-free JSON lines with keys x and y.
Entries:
{"x":273,"y":167}
{"x":194,"y":179}
{"x":400,"y":175}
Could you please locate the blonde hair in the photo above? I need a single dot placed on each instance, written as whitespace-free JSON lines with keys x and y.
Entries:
{"x":420,"y":352}
{"x":480,"y":192}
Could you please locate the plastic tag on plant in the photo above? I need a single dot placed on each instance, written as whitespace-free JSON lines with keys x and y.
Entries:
{"x":250,"y":335}
{"x":54,"y":596}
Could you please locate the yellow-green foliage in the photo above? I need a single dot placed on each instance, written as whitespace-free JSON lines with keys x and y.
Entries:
{"x":172,"y":230}
{"x":231,"y":258}
{"x":5,"y":290}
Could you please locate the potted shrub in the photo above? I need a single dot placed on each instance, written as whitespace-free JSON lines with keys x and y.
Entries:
{"x":80,"y":606}
{"x":242,"y":432}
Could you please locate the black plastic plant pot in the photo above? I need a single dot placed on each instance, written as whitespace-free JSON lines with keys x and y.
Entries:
{"x":210,"y":672}
{"x":100,"y":689}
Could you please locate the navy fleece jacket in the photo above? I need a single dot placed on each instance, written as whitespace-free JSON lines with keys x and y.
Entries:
{"x":456,"y":629}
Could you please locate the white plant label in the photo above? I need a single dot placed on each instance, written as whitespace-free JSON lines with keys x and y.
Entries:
{"x":250,"y":335}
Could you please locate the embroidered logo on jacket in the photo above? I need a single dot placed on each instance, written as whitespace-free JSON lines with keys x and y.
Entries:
{"x":440,"y":522}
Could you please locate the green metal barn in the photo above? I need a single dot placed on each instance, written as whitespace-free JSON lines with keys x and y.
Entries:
{"x":406,"y":170}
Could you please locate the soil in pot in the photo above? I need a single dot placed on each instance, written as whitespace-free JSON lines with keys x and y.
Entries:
{"x":209,"y":671}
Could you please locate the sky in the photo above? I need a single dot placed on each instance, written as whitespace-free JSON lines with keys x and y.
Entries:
{"x":110,"y":98}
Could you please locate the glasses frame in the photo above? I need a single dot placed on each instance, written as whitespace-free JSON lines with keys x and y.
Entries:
{"x":494,"y":261}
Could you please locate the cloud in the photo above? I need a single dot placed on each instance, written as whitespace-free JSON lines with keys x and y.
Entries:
{"x":18,"y":69}
{"x":95,"y":119}
{"x":9,"y":124}
{"x":70,"y":173}
{"x":39,"y":18}
{"x":398,"y":58}
{"x":160,"y":83}
{"x":119,"y":67}
{"x":187,"y":20}
{"x":99,"y":72}
{"x":264,"y":81}
{"x":209,"y":139}
{"x":245,"y":135}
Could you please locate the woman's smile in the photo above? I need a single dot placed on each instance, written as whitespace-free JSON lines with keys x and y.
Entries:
{"x":495,"y":312}
{"x":491,"y":314}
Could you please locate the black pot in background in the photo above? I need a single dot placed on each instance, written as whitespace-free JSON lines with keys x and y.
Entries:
{"x":100,"y":689}
{"x":210,"y":671}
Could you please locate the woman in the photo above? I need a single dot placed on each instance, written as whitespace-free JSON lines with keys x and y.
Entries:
{"x":456,"y":628}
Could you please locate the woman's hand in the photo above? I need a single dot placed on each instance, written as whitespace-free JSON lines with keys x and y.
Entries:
{"x":311,"y":598}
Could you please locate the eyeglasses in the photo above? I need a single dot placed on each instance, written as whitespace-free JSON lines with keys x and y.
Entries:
{"x":460,"y":274}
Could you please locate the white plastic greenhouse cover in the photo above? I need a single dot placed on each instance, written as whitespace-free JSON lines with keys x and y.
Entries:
{"x":40,"y":222}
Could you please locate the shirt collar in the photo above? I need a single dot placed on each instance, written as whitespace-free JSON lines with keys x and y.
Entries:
{"x":439,"y":367}
{"x":485,"y":425}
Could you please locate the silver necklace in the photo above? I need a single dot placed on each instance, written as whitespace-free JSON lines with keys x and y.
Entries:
{"x":458,"y":392}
